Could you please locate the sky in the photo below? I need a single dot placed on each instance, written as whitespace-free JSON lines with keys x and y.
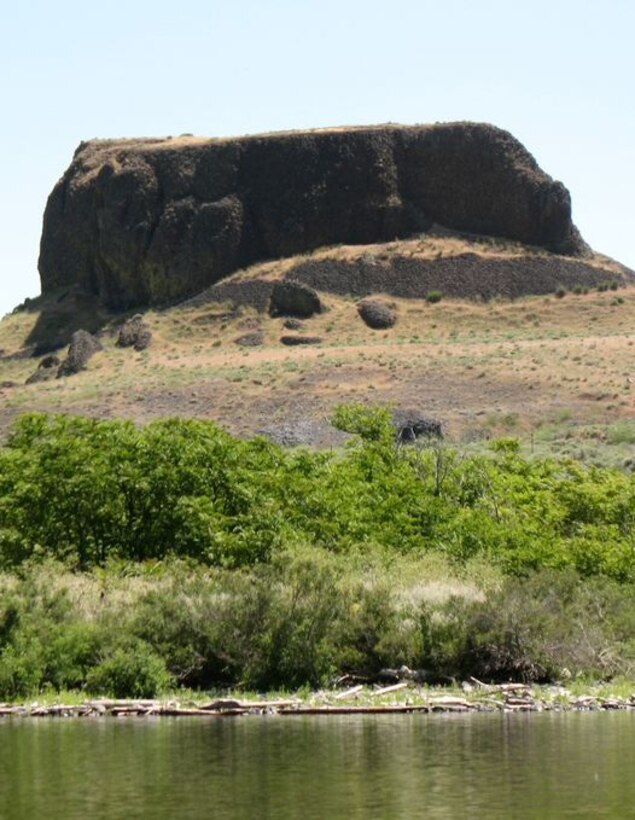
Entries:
{"x":558,"y":74}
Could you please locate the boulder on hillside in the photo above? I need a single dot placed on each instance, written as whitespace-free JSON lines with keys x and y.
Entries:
{"x":292,"y":341}
{"x":411,"y":426}
{"x":50,"y":361}
{"x":83,"y":345}
{"x":294,"y":299}
{"x":135,"y":333}
{"x":46,"y":370}
{"x":376,"y":314}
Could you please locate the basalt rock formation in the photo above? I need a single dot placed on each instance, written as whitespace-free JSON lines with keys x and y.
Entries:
{"x":376,"y":314}
{"x":135,"y":333}
{"x":294,"y":299}
{"x":152,"y":221}
{"x":82,"y":347}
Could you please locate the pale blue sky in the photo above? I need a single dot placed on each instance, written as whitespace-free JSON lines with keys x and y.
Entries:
{"x":557,"y":73}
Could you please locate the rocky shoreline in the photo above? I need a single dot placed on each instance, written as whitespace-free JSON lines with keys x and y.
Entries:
{"x":404,"y":699}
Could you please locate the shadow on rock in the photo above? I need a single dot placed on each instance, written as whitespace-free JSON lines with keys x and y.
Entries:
{"x":61,"y":314}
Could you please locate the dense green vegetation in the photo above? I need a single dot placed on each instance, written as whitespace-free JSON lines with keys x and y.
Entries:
{"x":136,"y":559}
{"x":301,"y":620}
{"x":86,"y":492}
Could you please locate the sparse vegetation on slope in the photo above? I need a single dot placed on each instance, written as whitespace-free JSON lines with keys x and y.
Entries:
{"x":559,"y":369}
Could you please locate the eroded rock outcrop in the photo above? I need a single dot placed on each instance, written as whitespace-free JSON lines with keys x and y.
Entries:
{"x":136,"y":333}
{"x":155,"y":220}
{"x":82,"y":347}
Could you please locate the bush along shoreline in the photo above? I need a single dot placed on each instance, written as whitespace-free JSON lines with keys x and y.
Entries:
{"x":140,"y":561}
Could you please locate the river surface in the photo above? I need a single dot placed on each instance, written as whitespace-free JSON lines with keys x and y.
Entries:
{"x":388,"y":766}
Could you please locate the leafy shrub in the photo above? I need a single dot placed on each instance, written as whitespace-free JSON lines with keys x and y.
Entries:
{"x":194,"y":622}
{"x":622,"y":432}
{"x":302,"y":604}
{"x":89,"y":493}
{"x":21,"y":669}
{"x":70,"y":655}
{"x":302,"y":619}
{"x":552,"y":624}
{"x":434,"y":296}
{"x":132,"y":671}
{"x":40,"y":642}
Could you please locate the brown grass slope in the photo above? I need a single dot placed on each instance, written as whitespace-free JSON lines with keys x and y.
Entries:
{"x":557,"y":369}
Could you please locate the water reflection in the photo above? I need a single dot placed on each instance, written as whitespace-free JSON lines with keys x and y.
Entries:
{"x":393,"y":766}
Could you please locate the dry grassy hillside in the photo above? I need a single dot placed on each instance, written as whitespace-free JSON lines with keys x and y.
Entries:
{"x":556,"y":370}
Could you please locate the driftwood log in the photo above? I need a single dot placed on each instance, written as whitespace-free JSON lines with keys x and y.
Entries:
{"x":479,"y":697}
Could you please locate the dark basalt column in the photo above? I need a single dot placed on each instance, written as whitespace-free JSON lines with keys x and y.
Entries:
{"x":151,"y":221}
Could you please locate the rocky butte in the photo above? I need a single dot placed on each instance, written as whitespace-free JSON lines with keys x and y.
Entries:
{"x":152,"y":221}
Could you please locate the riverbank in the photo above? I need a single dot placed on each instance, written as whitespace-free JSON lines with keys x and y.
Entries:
{"x":187,"y":561}
{"x":471,"y":696}
{"x":306,"y":620}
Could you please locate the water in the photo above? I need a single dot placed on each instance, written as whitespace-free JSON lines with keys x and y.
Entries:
{"x":389,"y":766}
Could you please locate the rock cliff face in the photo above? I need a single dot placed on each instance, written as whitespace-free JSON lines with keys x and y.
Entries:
{"x":152,"y":221}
